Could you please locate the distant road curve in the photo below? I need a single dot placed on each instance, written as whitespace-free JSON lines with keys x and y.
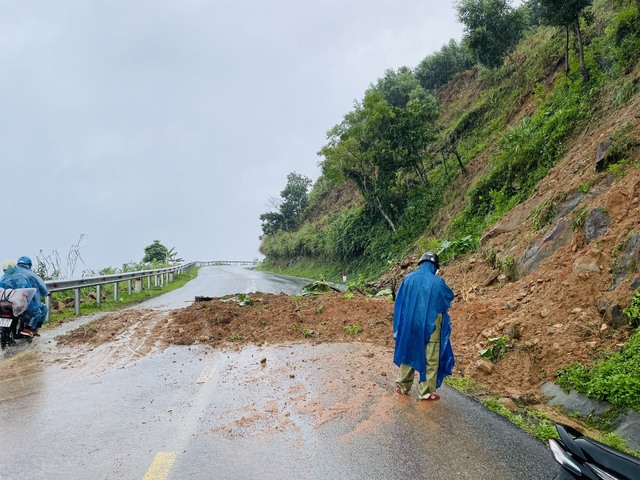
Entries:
{"x":221,"y":280}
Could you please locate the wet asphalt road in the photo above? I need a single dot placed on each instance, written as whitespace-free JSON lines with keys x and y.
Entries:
{"x":264,"y":412}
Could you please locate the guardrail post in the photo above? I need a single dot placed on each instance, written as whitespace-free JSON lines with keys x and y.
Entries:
{"x":137,"y":287}
{"x":148,"y":282}
{"x":129,"y":287}
{"x":98,"y":295}
{"x":47,"y":302}
{"x":77,"y":300}
{"x":115,"y":291}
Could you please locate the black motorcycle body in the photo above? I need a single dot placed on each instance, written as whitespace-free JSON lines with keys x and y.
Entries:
{"x":581,"y":457}
{"x":10,"y":327}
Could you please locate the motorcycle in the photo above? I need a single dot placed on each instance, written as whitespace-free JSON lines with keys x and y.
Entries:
{"x":581,"y":457}
{"x":13,"y":305}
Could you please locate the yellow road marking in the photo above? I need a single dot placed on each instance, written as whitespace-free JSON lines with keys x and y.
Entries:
{"x":159,"y":469}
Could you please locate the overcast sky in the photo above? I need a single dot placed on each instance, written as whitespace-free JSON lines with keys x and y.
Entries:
{"x":129,"y":121}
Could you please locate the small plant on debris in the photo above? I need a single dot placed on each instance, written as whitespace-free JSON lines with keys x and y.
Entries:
{"x":580,"y":219}
{"x":353,"y":329}
{"x":241,"y":299}
{"x":451,"y":249}
{"x":360,"y":285}
{"x":497,"y":349}
{"x":543,"y":214}
{"x":632,"y":311}
{"x":492,"y":259}
{"x":510,"y":268}
{"x":306,"y":332}
{"x":584,"y":188}
{"x":244,"y":299}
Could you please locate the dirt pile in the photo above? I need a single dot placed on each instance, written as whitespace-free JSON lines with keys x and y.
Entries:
{"x":257,"y":318}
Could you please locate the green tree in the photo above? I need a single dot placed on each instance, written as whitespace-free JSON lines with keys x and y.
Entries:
{"x":492,"y":28}
{"x":357,"y":152}
{"x":437,"y":69}
{"x":396,"y":86}
{"x":156,"y":252}
{"x":567,"y":14}
{"x":383,"y":138}
{"x":289,"y":208}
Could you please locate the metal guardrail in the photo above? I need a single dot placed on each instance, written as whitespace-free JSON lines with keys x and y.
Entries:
{"x":133,"y":279}
{"x":226,"y":262}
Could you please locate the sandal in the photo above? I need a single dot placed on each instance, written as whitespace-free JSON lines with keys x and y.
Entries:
{"x":430,"y":397}
{"x":399,"y":391}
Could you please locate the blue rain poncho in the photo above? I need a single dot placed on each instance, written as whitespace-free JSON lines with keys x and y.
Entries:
{"x":34,"y":280}
{"x":421,"y":297}
{"x":14,"y":278}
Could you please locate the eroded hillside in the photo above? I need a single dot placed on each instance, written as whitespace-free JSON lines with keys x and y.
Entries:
{"x":577,"y":271}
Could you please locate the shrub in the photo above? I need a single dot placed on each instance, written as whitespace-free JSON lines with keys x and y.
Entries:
{"x":497,"y":349}
{"x":613,"y":379}
{"x":632,"y":311}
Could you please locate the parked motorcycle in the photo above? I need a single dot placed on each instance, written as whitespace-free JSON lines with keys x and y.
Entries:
{"x":13,"y":305}
{"x":584,"y":458}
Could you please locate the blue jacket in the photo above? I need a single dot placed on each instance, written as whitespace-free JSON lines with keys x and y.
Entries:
{"x":421,"y":297}
{"x":13,"y":278}
{"x":35,"y":281}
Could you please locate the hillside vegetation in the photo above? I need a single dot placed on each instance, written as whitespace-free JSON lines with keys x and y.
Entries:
{"x":437,"y":166}
{"x":520,"y":168}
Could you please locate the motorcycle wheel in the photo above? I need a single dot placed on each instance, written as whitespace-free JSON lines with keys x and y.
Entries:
{"x":5,"y":337}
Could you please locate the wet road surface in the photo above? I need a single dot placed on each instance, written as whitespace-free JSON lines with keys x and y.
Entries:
{"x":264,"y":412}
{"x":226,"y":280}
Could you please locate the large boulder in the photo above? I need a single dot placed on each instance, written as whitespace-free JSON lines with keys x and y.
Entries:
{"x":628,"y":259}
{"x":597,"y":223}
{"x":557,"y":237}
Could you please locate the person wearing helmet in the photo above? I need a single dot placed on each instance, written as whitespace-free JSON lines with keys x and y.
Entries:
{"x":421,"y":329}
{"x":10,"y":278}
{"x":37,"y":311}
{"x":13,"y":279}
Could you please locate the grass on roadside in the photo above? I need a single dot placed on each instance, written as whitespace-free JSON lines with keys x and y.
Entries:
{"x":536,"y":422}
{"x":126,"y":300}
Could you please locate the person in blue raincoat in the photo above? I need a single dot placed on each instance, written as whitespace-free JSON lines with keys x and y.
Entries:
{"x":37,"y":311}
{"x":13,"y":278}
{"x":421,"y":329}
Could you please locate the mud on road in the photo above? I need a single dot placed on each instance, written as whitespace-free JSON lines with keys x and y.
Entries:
{"x":254,"y":319}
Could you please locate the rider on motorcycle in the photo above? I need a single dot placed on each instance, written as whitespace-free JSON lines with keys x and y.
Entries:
{"x":38,"y":309}
{"x":13,"y":278}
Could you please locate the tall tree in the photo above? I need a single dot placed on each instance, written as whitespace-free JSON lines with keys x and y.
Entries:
{"x":383,"y":137}
{"x":567,"y":14}
{"x":492,"y":28}
{"x":356,"y":151}
{"x":289,"y":208}
{"x":396,"y":86}
{"x":437,"y":69}
{"x":295,"y":198}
